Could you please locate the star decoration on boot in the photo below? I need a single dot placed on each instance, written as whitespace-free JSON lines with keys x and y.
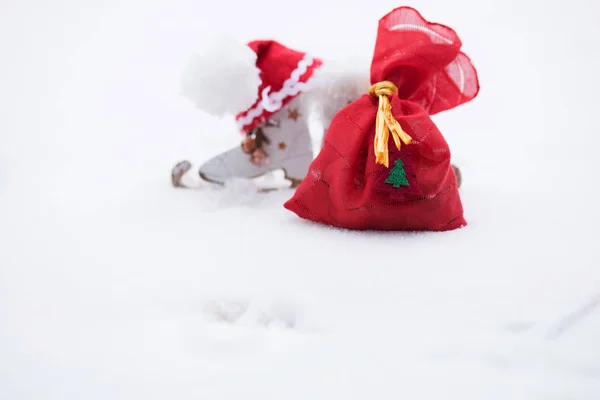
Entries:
{"x":293,"y":114}
{"x":282,"y":146}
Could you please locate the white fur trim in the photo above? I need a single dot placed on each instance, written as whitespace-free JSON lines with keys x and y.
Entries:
{"x":274,"y":101}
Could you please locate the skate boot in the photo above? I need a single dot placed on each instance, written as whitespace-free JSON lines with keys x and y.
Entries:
{"x":283,"y":142}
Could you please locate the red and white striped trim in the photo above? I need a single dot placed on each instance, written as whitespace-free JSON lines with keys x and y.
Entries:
{"x":274,"y":101}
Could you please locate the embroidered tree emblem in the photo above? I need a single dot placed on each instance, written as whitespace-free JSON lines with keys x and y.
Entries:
{"x":397,"y":176}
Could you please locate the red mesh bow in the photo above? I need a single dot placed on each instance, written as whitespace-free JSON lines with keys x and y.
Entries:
{"x":412,"y":186}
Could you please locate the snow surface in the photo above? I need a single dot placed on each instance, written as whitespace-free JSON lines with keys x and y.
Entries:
{"x":113,"y":285}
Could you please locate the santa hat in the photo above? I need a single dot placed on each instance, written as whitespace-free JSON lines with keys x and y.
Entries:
{"x":248,"y":80}
{"x":284,"y":74}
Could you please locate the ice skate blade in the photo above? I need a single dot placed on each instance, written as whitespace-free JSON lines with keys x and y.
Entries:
{"x":294,"y":183}
{"x":458,"y":175}
{"x":177,"y":172}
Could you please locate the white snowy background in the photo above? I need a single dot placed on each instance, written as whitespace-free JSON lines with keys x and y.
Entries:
{"x":114,"y":285}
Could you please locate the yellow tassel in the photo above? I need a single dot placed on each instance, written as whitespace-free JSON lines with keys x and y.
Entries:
{"x":386,"y":123}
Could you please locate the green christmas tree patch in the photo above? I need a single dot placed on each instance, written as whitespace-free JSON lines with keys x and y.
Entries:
{"x":397,"y":175}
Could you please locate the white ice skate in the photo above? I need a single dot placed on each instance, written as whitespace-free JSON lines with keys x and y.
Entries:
{"x":276,"y":91}
{"x":282,"y":143}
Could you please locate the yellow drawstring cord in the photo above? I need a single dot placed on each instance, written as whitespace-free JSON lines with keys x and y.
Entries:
{"x":386,"y":123}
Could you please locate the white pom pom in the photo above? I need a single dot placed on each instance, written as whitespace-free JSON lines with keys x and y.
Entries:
{"x":338,"y":82}
{"x":221,"y":77}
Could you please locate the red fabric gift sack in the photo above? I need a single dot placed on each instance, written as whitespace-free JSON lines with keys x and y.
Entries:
{"x":385,"y":169}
